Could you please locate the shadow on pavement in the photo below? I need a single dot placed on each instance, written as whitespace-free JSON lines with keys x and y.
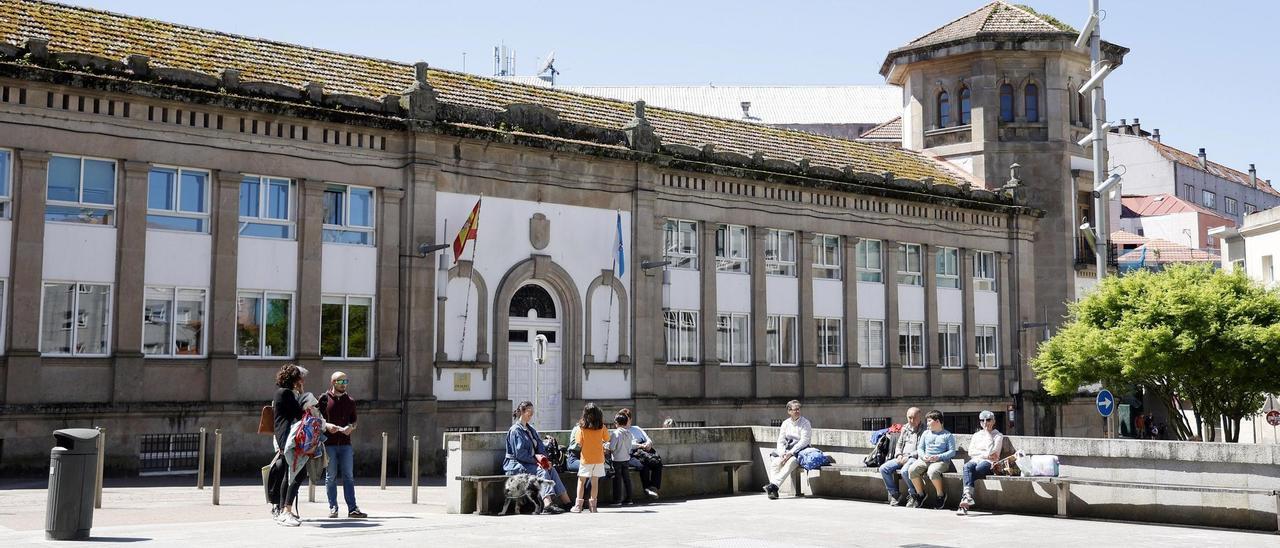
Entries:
{"x":117,"y":539}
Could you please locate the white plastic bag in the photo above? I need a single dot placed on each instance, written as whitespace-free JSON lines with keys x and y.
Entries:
{"x":1042,"y":465}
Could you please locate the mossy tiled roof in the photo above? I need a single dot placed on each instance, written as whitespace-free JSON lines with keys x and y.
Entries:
{"x":114,"y":36}
{"x":994,"y":18}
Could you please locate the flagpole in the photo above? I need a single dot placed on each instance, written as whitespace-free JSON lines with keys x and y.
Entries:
{"x":466,"y":314}
{"x":613,"y":273}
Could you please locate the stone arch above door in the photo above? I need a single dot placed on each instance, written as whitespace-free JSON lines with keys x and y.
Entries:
{"x":542,"y":268}
{"x":606,"y":277}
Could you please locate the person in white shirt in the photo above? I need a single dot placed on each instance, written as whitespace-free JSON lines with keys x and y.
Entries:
{"x":984,"y":451}
{"x":793,"y":436}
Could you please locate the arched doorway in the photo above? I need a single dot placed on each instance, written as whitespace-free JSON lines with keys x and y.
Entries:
{"x":534,"y":311}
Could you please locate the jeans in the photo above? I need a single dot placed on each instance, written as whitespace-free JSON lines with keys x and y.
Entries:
{"x":340,"y":460}
{"x":621,"y":482}
{"x":975,"y":470}
{"x":891,"y":467}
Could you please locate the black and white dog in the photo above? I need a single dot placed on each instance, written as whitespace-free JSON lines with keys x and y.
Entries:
{"x":521,"y":488}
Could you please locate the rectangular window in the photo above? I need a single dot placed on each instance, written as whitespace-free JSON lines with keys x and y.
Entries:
{"x":1230,"y":205}
{"x":732,"y":248}
{"x":984,"y":344}
{"x":178,"y":199}
{"x":4,"y":286}
{"x":1189,"y":192}
{"x":826,"y":256}
{"x":780,"y":331}
{"x":75,"y":319}
{"x":911,"y":343}
{"x":264,"y":324}
{"x":348,"y":215}
{"x":948,"y":267}
{"x":173,"y":322}
{"x":266,"y":207}
{"x":680,"y":241}
{"x":871,"y":343}
{"x":910,"y":271}
{"x":869,"y":269}
{"x":1208,"y":199}
{"x":733,"y":335}
{"x":984,"y":271}
{"x":949,"y":351}
{"x":346,"y":327}
{"x":81,"y":190}
{"x":1250,"y":209}
{"x":780,"y":253}
{"x":830,"y":341}
{"x":1268,"y":269}
{"x":6,"y":183}
{"x":681,"y":328}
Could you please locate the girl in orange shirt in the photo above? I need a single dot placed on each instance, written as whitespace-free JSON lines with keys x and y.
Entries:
{"x":592,"y":438}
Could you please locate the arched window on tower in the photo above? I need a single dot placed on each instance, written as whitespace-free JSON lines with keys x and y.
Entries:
{"x":1031,"y":98}
{"x":1006,"y":103}
{"x":964,"y":106}
{"x":944,"y":109}
{"x":1086,"y":113}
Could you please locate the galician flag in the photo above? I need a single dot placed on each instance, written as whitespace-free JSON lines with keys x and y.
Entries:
{"x":468,"y":232}
{"x":619,"y":251}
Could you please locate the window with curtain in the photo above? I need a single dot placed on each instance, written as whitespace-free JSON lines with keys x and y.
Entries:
{"x":1031,"y":102}
{"x":944,"y":109}
{"x":965,"y":105}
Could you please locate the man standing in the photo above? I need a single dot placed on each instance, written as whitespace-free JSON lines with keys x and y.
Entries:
{"x":793,"y":436}
{"x":904,"y":452}
{"x":338,"y":408}
{"x":984,"y":451}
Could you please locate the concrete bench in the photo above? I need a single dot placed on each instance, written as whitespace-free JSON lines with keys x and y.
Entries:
{"x":1064,"y":485}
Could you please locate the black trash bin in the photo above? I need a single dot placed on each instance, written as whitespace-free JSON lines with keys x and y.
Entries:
{"x":72,"y":471}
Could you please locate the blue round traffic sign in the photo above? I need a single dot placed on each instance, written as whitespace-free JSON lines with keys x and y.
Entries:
{"x":1106,"y":403}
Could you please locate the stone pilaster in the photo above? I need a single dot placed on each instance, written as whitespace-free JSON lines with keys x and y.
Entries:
{"x":968,"y":355}
{"x":849,"y":269}
{"x":22,"y":384}
{"x":807,"y":330}
{"x":131,"y":255}
{"x":931,"y":351}
{"x":893,"y":358}
{"x":419,"y":210}
{"x":759,"y":313}
{"x":387,"y":310}
{"x":222,"y":298}
{"x":709,"y":310}
{"x":647,"y":235}
{"x":1007,"y":330}
{"x":310,"y":218}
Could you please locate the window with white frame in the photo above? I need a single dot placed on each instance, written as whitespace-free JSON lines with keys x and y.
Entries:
{"x":830,"y":341}
{"x":264,"y":324}
{"x":681,"y":329}
{"x":4,"y":287}
{"x":780,"y":253}
{"x":173,"y":322}
{"x":1250,"y":209}
{"x":871,"y":343}
{"x":910,"y":269}
{"x":1189,"y":192}
{"x":780,"y":331}
{"x":733,"y":248}
{"x":826,"y":256}
{"x":733,"y":339}
{"x":81,"y":190}
{"x":75,"y":319}
{"x":950,"y":353}
{"x":984,"y":344}
{"x":346,"y":327}
{"x":680,"y":244}
{"x":1230,"y":205}
{"x":6,"y":183}
{"x":1208,"y":199}
{"x":178,"y":199}
{"x":869,"y":260}
{"x":948,"y":267}
{"x":911,"y":343}
{"x":267,"y":207}
{"x":984,"y":271}
{"x":348,"y":215}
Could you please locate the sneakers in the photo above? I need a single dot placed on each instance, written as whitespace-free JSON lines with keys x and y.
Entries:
{"x":333,"y":512}
{"x":915,"y":501}
{"x":893,"y":500}
{"x":772,"y":491}
{"x":275,"y":511}
{"x":288,"y":520}
{"x":552,"y":509}
{"x":941,"y":503}
{"x":652,"y":494}
{"x":356,"y":513}
{"x":966,"y":502}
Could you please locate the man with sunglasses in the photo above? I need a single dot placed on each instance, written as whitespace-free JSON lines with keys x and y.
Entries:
{"x":984,"y":451}
{"x":339,"y":408}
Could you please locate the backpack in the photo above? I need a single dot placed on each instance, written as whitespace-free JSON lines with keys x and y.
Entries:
{"x":308,"y":439}
{"x":880,"y":453}
{"x":812,"y":458}
{"x":554,"y":452}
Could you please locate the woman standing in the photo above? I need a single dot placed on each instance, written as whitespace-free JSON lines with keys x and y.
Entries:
{"x":287,"y":410}
{"x":644,"y":458}
{"x":526,"y":453}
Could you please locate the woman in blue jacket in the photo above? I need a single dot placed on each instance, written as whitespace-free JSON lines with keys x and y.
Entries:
{"x":524,"y":446}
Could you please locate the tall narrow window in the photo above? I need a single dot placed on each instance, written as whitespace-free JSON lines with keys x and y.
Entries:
{"x":911,"y":343}
{"x":826,"y":256}
{"x":1086,"y":113}
{"x":178,"y":199}
{"x":173,"y":322}
{"x":680,"y":241}
{"x":732,"y":248}
{"x":871,"y":343}
{"x":830,"y":339}
{"x":1208,"y":199}
{"x":6,"y":186}
{"x":346,"y":324}
{"x":733,"y":339}
{"x":1031,"y":102}
{"x":869,"y":258}
{"x":781,"y":332}
{"x":681,"y":329}
{"x":1006,"y":103}
{"x":944,"y":109}
{"x":81,"y":190}
{"x":780,"y":253}
{"x":949,"y":352}
{"x":984,"y":345}
{"x":948,"y":267}
{"x":264,"y":324}
{"x":266,"y":207}
{"x":75,"y":319}
{"x":348,"y":215}
{"x":965,"y":105}
{"x":909,"y":265}
{"x":984,"y":271}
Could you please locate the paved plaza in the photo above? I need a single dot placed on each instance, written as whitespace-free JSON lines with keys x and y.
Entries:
{"x":140,"y":514}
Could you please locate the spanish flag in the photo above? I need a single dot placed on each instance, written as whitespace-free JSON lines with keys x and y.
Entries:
{"x":468,"y":232}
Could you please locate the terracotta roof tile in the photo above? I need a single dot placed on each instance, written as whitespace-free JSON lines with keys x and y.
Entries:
{"x":1213,"y":168}
{"x":994,"y":18}
{"x":80,"y":30}
{"x":1163,"y":204}
{"x":890,"y":131}
{"x":1164,"y":251}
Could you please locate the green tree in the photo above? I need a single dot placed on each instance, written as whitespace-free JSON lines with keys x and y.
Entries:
{"x":1188,"y":334}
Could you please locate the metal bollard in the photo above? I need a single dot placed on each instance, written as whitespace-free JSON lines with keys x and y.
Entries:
{"x":311,"y":480}
{"x":97,"y":483}
{"x":217,"y":464}
{"x":200,"y":467}
{"x":413,"y":472}
{"x":383,"y":481}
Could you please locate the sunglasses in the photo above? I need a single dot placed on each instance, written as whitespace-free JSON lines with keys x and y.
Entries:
{"x":988,"y":420}
{"x":342,"y":381}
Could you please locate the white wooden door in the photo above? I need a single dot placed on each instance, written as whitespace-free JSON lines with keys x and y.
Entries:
{"x":548,"y":402}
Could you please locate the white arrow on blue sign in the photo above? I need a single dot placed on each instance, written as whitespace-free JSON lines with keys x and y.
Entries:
{"x":1106,"y":403}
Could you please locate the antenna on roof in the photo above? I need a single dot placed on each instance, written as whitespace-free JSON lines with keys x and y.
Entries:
{"x":548,"y":70}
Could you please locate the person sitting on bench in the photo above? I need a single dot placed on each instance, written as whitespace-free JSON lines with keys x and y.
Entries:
{"x":793,"y":436}
{"x":984,"y":451}
{"x":937,"y":447}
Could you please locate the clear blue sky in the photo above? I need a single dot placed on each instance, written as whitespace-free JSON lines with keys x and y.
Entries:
{"x":1206,"y":73}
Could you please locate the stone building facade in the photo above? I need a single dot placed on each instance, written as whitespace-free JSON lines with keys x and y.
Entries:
{"x":187,"y":210}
